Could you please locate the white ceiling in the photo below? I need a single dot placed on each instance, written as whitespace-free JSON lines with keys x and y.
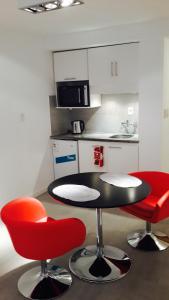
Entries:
{"x":92,"y":15}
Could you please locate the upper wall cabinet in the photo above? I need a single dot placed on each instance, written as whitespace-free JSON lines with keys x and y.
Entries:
{"x":114,"y":69}
{"x":71,"y":65}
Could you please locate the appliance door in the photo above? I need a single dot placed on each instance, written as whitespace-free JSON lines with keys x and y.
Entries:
{"x":73,"y":94}
{"x":65,"y":158}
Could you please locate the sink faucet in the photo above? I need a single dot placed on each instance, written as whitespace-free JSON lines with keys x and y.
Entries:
{"x":134,"y":127}
{"x":126,"y":125}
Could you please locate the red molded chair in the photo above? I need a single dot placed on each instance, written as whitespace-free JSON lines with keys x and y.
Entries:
{"x":152,"y":209}
{"x":38,"y":237}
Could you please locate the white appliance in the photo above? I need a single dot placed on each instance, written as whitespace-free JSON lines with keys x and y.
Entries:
{"x":65,"y":157}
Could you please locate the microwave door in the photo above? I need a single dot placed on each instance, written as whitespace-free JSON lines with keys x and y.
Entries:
{"x":79,"y":97}
{"x":73,"y":94}
{"x":68,"y":97}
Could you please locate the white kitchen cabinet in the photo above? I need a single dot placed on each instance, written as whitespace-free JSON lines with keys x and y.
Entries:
{"x":122,"y":157}
{"x":114,"y":69}
{"x":118,"y":157}
{"x":86,"y":156}
{"x":71,"y":65}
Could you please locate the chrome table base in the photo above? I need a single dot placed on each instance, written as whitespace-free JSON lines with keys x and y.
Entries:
{"x":111,"y":265}
{"x":99,"y":263}
{"x":36,"y":284}
{"x":148,"y":241}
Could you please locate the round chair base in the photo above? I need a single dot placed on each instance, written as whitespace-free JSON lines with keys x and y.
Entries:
{"x":34,"y":285}
{"x":148,"y":241}
{"x":112,"y":265}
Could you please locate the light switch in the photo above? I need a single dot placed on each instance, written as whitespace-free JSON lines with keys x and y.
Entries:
{"x":166,"y":113}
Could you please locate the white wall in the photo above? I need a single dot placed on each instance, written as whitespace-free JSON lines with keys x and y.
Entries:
{"x":108,"y":117}
{"x":151,"y":103}
{"x":25,"y":84}
{"x":165,"y":127}
{"x":26,"y":81}
{"x":151,"y":36}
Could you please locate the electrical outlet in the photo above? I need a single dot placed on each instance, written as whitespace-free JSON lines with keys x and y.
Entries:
{"x":130,"y":110}
{"x":22,"y":117}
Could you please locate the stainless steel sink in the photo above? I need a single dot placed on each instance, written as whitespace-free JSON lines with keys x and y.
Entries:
{"x":121,"y":136}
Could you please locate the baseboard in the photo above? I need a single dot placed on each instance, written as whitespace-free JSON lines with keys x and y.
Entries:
{"x":39,"y":193}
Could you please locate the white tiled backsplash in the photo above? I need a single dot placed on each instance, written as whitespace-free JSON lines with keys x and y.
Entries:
{"x":114,"y":110}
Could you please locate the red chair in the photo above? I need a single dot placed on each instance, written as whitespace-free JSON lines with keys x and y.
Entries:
{"x":153,"y":209}
{"x":38,"y":237}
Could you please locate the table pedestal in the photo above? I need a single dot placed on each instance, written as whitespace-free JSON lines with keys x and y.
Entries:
{"x":99,"y":263}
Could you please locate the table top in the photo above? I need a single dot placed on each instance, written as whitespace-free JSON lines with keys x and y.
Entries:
{"x":110,"y":195}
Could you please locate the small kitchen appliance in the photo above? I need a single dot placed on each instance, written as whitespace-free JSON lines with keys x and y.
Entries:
{"x":73,"y":93}
{"x":78,"y":126}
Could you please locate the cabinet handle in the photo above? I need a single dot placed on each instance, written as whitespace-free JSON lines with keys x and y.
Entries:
{"x":70,"y":78}
{"x":116,"y":68}
{"x":112,"y":69}
{"x":93,"y":146}
{"x":79,"y":95}
{"x":114,"y":147}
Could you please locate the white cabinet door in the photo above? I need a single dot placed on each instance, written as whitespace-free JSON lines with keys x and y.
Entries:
{"x":86,"y":156}
{"x":118,"y":157}
{"x":122,"y":157}
{"x":71,"y":65}
{"x":114,"y":69}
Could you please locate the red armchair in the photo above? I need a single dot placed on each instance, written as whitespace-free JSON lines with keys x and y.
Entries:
{"x":153,"y":209}
{"x":38,"y":237}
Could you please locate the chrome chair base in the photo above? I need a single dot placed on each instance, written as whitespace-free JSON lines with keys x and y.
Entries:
{"x":148,"y":241}
{"x":111,"y":265}
{"x":35,"y":285}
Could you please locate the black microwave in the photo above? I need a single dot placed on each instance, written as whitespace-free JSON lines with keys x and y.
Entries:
{"x":73,"y":93}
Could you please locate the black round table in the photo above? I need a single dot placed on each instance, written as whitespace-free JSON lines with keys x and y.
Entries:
{"x":100,"y":263}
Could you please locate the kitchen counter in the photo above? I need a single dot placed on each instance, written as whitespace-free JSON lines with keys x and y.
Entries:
{"x":97,"y":137}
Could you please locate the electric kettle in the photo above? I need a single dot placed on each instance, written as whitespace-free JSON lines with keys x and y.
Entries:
{"x":78,"y":126}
